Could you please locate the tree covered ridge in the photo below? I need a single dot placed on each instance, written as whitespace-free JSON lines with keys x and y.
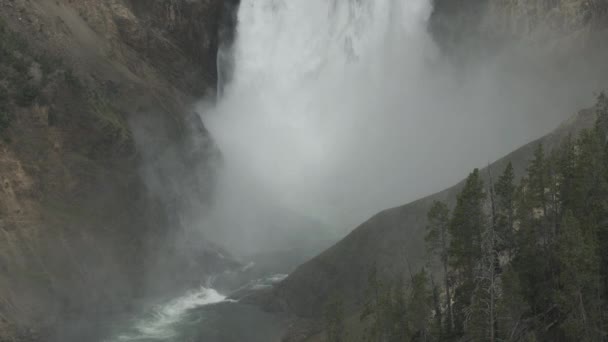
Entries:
{"x":522,"y":260}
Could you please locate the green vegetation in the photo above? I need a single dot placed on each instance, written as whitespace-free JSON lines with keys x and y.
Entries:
{"x":108,"y":117}
{"x":24,"y":74}
{"x":11,"y":45}
{"x":437,"y":242}
{"x":15,"y":78}
{"x":519,"y":262}
{"x":394,"y":312}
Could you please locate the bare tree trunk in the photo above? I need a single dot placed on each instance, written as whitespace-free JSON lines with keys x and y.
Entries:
{"x":448,"y":298}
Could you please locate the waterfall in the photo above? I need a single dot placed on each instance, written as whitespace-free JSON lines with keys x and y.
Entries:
{"x":310,"y":80}
{"x":314,"y":93}
{"x":338,"y":109}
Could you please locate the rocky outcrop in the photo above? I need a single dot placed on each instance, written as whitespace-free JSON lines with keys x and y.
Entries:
{"x":178,"y":37}
{"x":97,"y":153}
{"x":463,"y":24}
{"x":563,"y":17}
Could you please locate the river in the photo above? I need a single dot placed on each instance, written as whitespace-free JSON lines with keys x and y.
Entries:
{"x":203,"y":315}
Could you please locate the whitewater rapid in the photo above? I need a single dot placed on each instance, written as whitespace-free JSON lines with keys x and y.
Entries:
{"x":161,"y":322}
{"x":204,"y":314}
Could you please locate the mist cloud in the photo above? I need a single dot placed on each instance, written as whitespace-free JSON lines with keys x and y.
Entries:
{"x":339,"y":109}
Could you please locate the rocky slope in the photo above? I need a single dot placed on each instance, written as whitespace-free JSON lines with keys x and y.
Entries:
{"x":94,"y":117}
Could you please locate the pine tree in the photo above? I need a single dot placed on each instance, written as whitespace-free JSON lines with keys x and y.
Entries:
{"x":398,"y":325}
{"x":505,"y":208}
{"x":553,"y":195}
{"x":590,"y":181}
{"x":437,"y":328}
{"x":481,"y":314}
{"x":602,"y":229}
{"x":437,"y":241}
{"x":376,"y":308}
{"x":420,"y":307}
{"x":577,"y":298}
{"x":537,"y":176}
{"x":511,"y":309}
{"x":538,"y":183}
{"x":566,"y":170}
{"x":535,"y":260}
{"x":590,"y":195}
{"x":466,"y":227}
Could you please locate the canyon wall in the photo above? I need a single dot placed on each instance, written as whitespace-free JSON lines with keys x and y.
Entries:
{"x":97,"y":151}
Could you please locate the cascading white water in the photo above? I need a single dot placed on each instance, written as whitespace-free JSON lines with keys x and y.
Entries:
{"x":311,"y":79}
{"x":340,"y":108}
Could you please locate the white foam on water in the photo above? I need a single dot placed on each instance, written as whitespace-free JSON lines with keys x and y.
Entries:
{"x":159,"y":324}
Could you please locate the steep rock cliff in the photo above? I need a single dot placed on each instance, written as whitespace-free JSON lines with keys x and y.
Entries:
{"x":97,"y":144}
{"x":567,"y":24}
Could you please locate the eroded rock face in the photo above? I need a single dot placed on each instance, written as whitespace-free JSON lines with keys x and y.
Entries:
{"x":179,"y":38}
{"x":560,"y":17}
{"x":192,"y":28}
{"x":98,"y":153}
{"x":575,"y":23}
